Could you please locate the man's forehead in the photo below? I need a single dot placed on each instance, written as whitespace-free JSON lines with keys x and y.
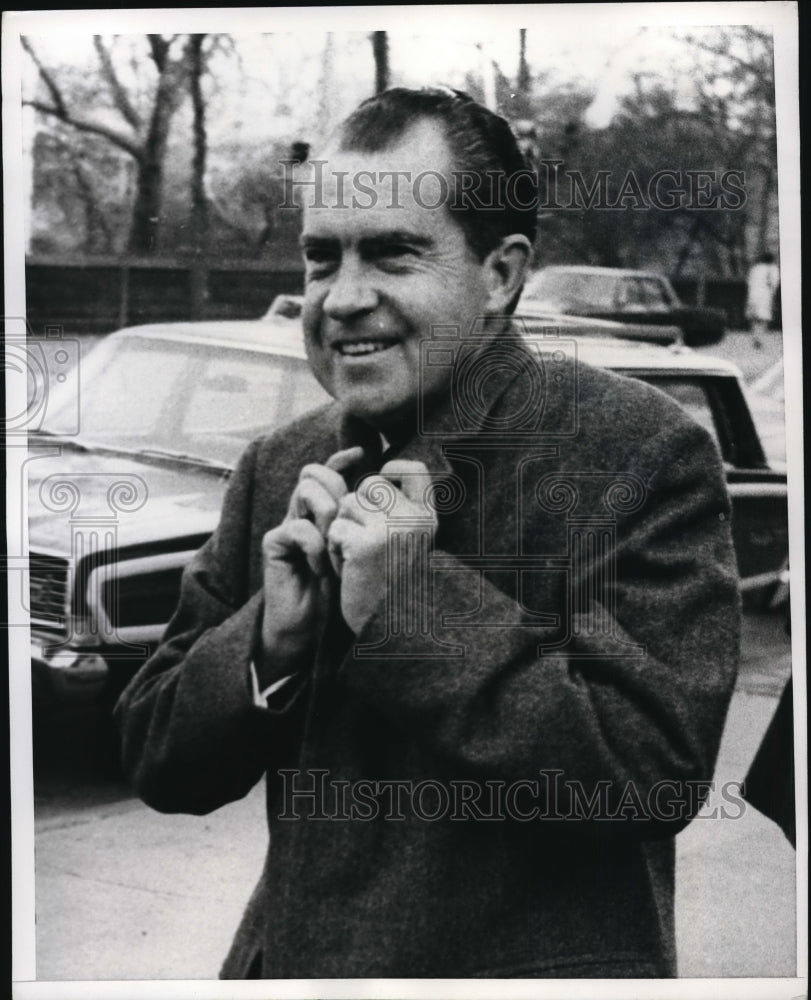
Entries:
{"x":423,"y":145}
{"x":414,"y":161}
{"x":402,"y":186}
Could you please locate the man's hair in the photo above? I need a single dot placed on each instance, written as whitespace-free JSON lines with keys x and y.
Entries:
{"x":483,"y":147}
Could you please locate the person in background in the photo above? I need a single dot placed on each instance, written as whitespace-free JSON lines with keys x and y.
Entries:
{"x":764,"y":277}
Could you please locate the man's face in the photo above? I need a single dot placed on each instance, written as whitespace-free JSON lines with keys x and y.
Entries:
{"x":378,"y":278}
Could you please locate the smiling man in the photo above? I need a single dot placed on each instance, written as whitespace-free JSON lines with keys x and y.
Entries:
{"x":476,"y":623}
{"x":382,"y":275}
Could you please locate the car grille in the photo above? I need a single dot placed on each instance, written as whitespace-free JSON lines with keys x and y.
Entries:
{"x":48,"y":582}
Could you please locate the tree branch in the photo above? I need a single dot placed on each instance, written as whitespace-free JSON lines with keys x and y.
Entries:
{"x":749,"y":65}
{"x":122,"y":141}
{"x":120,"y":96}
{"x":60,"y":108}
{"x":159,"y":48}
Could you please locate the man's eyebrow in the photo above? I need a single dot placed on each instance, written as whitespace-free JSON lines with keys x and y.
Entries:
{"x":375,"y":243}
{"x":306,"y":240}
{"x":395,"y":236}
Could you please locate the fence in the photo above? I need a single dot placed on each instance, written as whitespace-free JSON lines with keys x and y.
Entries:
{"x":93,"y":295}
{"x":98,"y":295}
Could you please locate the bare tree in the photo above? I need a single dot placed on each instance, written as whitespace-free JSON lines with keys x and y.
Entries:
{"x":144,"y":137}
{"x":734,"y":79}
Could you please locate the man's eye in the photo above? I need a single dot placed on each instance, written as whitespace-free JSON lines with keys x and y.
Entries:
{"x":319,"y":259}
{"x":395,"y":255}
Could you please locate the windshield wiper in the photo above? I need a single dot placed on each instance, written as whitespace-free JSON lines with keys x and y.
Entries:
{"x":105,"y":447}
{"x":63,"y":438}
{"x":182,"y":456}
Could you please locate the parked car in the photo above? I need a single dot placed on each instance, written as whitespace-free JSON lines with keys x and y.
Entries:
{"x":119,"y":508}
{"x":643,"y":299}
{"x":286,"y":307}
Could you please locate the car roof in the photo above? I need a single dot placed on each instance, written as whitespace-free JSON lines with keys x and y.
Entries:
{"x":259,"y":334}
{"x":624,"y":272}
{"x":287,"y":339}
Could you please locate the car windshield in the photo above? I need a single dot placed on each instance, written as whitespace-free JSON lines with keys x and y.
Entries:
{"x":571,"y":289}
{"x":184,"y":399}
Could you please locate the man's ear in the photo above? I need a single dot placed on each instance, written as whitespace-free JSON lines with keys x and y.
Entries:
{"x":505,"y":268}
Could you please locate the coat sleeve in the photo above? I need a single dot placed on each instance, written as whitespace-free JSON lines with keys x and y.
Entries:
{"x":192,"y":737}
{"x":635,"y":728}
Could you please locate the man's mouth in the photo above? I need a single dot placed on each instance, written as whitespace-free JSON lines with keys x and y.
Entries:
{"x":362,"y":348}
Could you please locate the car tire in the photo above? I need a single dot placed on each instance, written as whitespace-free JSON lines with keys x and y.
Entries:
{"x":703,"y":337}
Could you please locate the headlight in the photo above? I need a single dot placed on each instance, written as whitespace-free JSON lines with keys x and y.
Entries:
{"x":72,"y":677}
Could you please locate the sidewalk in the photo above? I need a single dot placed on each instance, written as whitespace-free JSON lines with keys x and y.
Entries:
{"x":123,"y":892}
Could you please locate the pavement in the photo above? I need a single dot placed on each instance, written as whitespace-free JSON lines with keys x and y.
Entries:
{"x":735,"y":876}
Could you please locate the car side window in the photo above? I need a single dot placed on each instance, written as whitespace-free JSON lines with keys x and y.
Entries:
{"x":653,"y":293}
{"x":632,"y":295}
{"x":622,"y":294}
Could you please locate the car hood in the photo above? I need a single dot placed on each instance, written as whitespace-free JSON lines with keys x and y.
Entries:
{"x":125,"y":501}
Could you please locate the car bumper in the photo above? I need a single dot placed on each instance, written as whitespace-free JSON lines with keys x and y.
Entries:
{"x":66,"y":676}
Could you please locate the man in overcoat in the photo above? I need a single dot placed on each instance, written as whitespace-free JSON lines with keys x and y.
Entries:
{"x":476,"y":623}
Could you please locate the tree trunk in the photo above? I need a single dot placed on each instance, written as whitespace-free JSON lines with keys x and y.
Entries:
{"x":523,"y":68}
{"x":145,"y":226}
{"x":380,"y":48}
{"x":199,"y":203}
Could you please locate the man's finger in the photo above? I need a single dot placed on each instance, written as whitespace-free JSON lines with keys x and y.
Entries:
{"x":292,"y":539}
{"x":342,"y":533}
{"x":329,"y":478}
{"x":343,"y":460}
{"x":352,"y":508}
{"x":413,"y":478}
{"x":314,"y":501}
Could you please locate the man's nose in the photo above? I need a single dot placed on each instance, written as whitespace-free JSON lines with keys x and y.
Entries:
{"x":351,"y":292}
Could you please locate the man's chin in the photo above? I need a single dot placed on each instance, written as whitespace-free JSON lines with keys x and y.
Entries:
{"x":391,"y":420}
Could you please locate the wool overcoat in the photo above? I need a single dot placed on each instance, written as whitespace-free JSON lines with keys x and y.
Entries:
{"x":488,"y":779}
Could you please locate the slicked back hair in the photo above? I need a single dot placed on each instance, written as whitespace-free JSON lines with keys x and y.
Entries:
{"x":484,"y":150}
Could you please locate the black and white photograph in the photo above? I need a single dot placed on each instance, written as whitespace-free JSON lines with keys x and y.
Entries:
{"x":404,"y":457}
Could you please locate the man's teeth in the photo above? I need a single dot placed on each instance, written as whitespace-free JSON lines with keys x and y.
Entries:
{"x":364,"y":347}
